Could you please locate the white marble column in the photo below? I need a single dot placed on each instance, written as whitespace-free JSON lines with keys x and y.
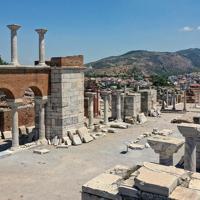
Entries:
{"x":14,"y":51}
{"x":167,"y":98}
{"x":105,"y":95}
{"x":190,"y":132}
{"x":40,"y":104}
{"x":41,"y":33}
{"x":118,"y":105}
{"x":90,"y":109}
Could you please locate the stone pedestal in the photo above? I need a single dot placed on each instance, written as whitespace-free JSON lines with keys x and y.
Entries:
{"x":165,"y":147}
{"x":41,"y":33}
{"x":190,"y":132}
{"x":105,"y":95}
{"x":90,"y":109}
{"x":14,"y":53}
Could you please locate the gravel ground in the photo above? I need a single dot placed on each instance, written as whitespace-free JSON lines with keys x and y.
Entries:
{"x":60,"y":174}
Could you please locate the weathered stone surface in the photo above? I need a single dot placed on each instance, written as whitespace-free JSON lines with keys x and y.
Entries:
{"x":194,"y":184}
{"x":182,"y":193}
{"x":120,"y":170}
{"x":7,"y":134}
{"x":112,"y":130}
{"x":189,"y":130}
{"x":165,"y":132}
{"x":141,"y":118}
{"x":148,"y":181}
{"x":41,"y":151}
{"x":104,"y":185}
{"x":136,"y":146}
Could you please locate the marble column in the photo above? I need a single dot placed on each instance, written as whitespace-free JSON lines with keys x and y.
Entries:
{"x":163,"y":103}
{"x":41,"y":33}
{"x":174,"y":101}
{"x":90,"y":109}
{"x":165,"y":147}
{"x":190,"y":132}
{"x":184,"y":102}
{"x":105,"y":95}
{"x":40,"y":104}
{"x":14,"y":52}
{"x":167,"y":98}
{"x":118,"y":105}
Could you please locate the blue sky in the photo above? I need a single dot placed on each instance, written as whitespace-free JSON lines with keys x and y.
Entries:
{"x":100,"y":28}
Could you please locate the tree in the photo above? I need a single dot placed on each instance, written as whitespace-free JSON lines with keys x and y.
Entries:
{"x":160,"y":80}
{"x":2,"y":62}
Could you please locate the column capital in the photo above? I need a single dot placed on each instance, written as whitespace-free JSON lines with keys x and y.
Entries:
{"x":165,"y":145}
{"x":14,"y":103}
{"x":90,"y":94}
{"x":105,"y":93}
{"x":41,"y":99}
{"x":41,"y":31}
{"x":14,"y":27}
{"x":189,"y":130}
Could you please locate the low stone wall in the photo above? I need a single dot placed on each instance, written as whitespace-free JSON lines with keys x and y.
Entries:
{"x":26,"y":118}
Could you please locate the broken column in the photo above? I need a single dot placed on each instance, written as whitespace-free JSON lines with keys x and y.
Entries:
{"x":165,"y":147}
{"x":14,"y":53}
{"x":118,"y":105}
{"x":90,"y":109}
{"x":41,"y":33}
{"x":105,"y":95}
{"x":190,"y":132}
{"x":167,"y":98}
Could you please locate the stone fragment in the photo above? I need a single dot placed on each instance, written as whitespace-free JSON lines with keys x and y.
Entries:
{"x":76,"y":140}
{"x":104,"y":130}
{"x":7,"y":135}
{"x":62,"y":146}
{"x":147,"y":145}
{"x":182,"y":193}
{"x":118,"y":125}
{"x":136,"y":146}
{"x":112,"y":130}
{"x":84,"y":135}
{"x":104,"y":186}
{"x":120,"y":170}
{"x":71,"y":133}
{"x":22,"y":130}
{"x":67,"y":141}
{"x":141,"y":118}
{"x":165,"y":132}
{"x":41,"y":151}
{"x":155,"y":182}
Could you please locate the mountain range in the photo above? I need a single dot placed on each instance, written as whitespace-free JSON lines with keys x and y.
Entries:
{"x":147,"y":63}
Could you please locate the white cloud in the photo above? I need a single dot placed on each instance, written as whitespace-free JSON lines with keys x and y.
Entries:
{"x":198,"y":28}
{"x":187,"y":29}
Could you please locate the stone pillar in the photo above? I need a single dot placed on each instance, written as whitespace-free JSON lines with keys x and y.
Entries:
{"x":184,"y":102}
{"x":118,"y":105}
{"x":40,"y":104}
{"x":14,"y":54}
{"x":41,"y":33}
{"x":163,"y":103}
{"x":105,"y":95}
{"x":14,"y":104}
{"x":167,"y":98}
{"x":90,"y":109}
{"x":190,"y":132}
{"x":174,"y":101}
{"x":165,"y":147}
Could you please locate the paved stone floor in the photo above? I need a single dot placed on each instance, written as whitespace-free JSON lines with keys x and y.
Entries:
{"x":60,"y":174}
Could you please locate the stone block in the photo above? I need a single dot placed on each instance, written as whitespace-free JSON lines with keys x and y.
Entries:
{"x":194,"y":184}
{"x":7,"y":135}
{"x":76,"y":140}
{"x":41,"y":151}
{"x":84,"y":135}
{"x":156,"y":182}
{"x":67,"y":140}
{"x":182,"y":193}
{"x":104,"y":186}
{"x":119,"y":125}
{"x":136,"y":146}
{"x":141,"y":118}
{"x":22,"y":130}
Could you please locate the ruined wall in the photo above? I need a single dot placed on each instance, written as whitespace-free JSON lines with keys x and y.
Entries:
{"x":132,"y":105}
{"x":65,"y":109}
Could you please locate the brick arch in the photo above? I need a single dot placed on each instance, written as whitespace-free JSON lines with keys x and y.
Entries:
{"x":9,"y":94}
{"x":37,"y":90}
